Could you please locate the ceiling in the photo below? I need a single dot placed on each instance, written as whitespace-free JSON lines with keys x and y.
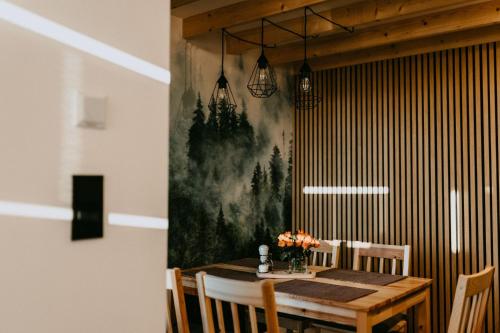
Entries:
{"x":382,"y":28}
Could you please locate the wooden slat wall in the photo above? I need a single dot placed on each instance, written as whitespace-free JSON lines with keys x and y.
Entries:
{"x":427,"y":127}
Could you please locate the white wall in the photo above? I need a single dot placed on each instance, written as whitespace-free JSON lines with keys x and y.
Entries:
{"x":47,"y":282}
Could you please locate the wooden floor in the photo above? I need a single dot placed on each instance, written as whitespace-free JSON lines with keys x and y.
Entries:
{"x":427,"y":127}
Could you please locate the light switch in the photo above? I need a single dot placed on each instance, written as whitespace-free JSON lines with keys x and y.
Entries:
{"x":88,"y":196}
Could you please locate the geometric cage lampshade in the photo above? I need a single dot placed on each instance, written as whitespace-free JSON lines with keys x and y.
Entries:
{"x":305,"y":99}
{"x":262,"y":83}
{"x":222,"y":95}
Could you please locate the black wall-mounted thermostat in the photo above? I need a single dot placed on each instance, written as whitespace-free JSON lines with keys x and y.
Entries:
{"x":88,"y":196}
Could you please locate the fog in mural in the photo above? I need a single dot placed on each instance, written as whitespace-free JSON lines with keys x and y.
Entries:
{"x":230,"y":171}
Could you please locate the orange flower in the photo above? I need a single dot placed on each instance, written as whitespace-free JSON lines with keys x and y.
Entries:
{"x":299,"y":239}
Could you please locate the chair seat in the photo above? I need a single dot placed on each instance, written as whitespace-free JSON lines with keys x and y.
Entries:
{"x":393,"y":324}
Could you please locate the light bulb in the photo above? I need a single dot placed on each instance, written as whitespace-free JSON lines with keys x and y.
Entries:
{"x":305,"y":85}
{"x":222,"y":94}
{"x":262,"y":76}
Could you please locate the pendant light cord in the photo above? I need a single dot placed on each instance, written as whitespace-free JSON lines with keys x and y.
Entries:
{"x":222,"y":49}
{"x":305,"y":33}
{"x":350,"y":30}
{"x":227,"y":33}
{"x":283,"y":28}
{"x":262,"y":35}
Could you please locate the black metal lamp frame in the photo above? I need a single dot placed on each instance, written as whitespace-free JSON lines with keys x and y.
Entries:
{"x":304,"y":98}
{"x":262,"y":82}
{"x":222,"y":95}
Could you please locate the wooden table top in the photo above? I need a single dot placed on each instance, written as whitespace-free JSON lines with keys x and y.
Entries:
{"x":384,"y":296}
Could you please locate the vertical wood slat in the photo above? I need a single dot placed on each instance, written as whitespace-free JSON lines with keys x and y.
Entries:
{"x":439,"y":276}
{"x":427,"y":127}
{"x":495,"y":181}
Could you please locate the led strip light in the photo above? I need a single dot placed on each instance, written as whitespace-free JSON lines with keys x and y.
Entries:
{"x":346,"y":190}
{"x":42,"y":26}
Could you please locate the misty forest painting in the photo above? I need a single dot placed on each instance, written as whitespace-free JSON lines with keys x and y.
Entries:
{"x":230,"y":170}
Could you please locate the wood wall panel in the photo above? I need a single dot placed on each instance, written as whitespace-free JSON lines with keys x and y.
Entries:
{"x":427,"y":127}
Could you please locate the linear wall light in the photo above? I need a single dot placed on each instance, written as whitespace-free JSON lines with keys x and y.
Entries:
{"x":456,"y":235}
{"x":138,"y":221}
{"x":40,"y":25}
{"x":346,"y":190}
{"x":47,"y":212}
{"x":18,"y":209}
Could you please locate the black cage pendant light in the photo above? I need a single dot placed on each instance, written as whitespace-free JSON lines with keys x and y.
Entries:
{"x":262,"y":83}
{"x":222,"y":96}
{"x":304,"y":92}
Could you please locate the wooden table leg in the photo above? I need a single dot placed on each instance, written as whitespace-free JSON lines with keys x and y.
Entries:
{"x":363,"y":324}
{"x":424,"y":314}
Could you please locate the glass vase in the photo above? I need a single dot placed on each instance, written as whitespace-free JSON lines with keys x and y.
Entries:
{"x":297,"y":265}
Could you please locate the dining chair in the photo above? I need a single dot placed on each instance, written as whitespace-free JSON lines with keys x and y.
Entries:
{"x":175,"y":288}
{"x":382,"y":252}
{"x":251,"y":294}
{"x":471,"y":299}
{"x":327,"y":249}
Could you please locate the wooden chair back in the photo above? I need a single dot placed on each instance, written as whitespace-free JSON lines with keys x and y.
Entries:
{"x":327,"y":248}
{"x":251,"y":294}
{"x":471,"y":299}
{"x":174,"y":286}
{"x":382,"y":252}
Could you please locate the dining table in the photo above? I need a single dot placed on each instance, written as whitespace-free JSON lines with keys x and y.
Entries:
{"x":355,"y":298}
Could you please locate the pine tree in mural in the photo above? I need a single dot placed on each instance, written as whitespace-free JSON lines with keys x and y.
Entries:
{"x":246,"y":131}
{"x":197,"y":139}
{"x":220,"y":236}
{"x":287,"y":193}
{"x":212,"y":125}
{"x":225,"y":125}
{"x":265,"y":181}
{"x":257,"y":180}
{"x":276,"y":170}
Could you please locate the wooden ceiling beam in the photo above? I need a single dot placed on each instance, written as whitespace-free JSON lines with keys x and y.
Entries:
{"x":179,"y":3}
{"x":359,"y":15}
{"x":421,"y":46}
{"x":471,"y":17}
{"x":240,"y":13}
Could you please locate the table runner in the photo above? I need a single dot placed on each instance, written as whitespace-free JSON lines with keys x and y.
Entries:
{"x":226,"y":273}
{"x":360,"y":276}
{"x":318,"y":290}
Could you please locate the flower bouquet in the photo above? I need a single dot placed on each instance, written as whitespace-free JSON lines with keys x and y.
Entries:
{"x":296,"y":248}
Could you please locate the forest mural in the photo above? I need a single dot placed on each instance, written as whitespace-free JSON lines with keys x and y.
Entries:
{"x":230,"y":170}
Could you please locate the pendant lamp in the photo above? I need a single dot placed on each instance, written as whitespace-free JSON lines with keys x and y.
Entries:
{"x":262,"y":83}
{"x":304,"y":92}
{"x":222,"y":96}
